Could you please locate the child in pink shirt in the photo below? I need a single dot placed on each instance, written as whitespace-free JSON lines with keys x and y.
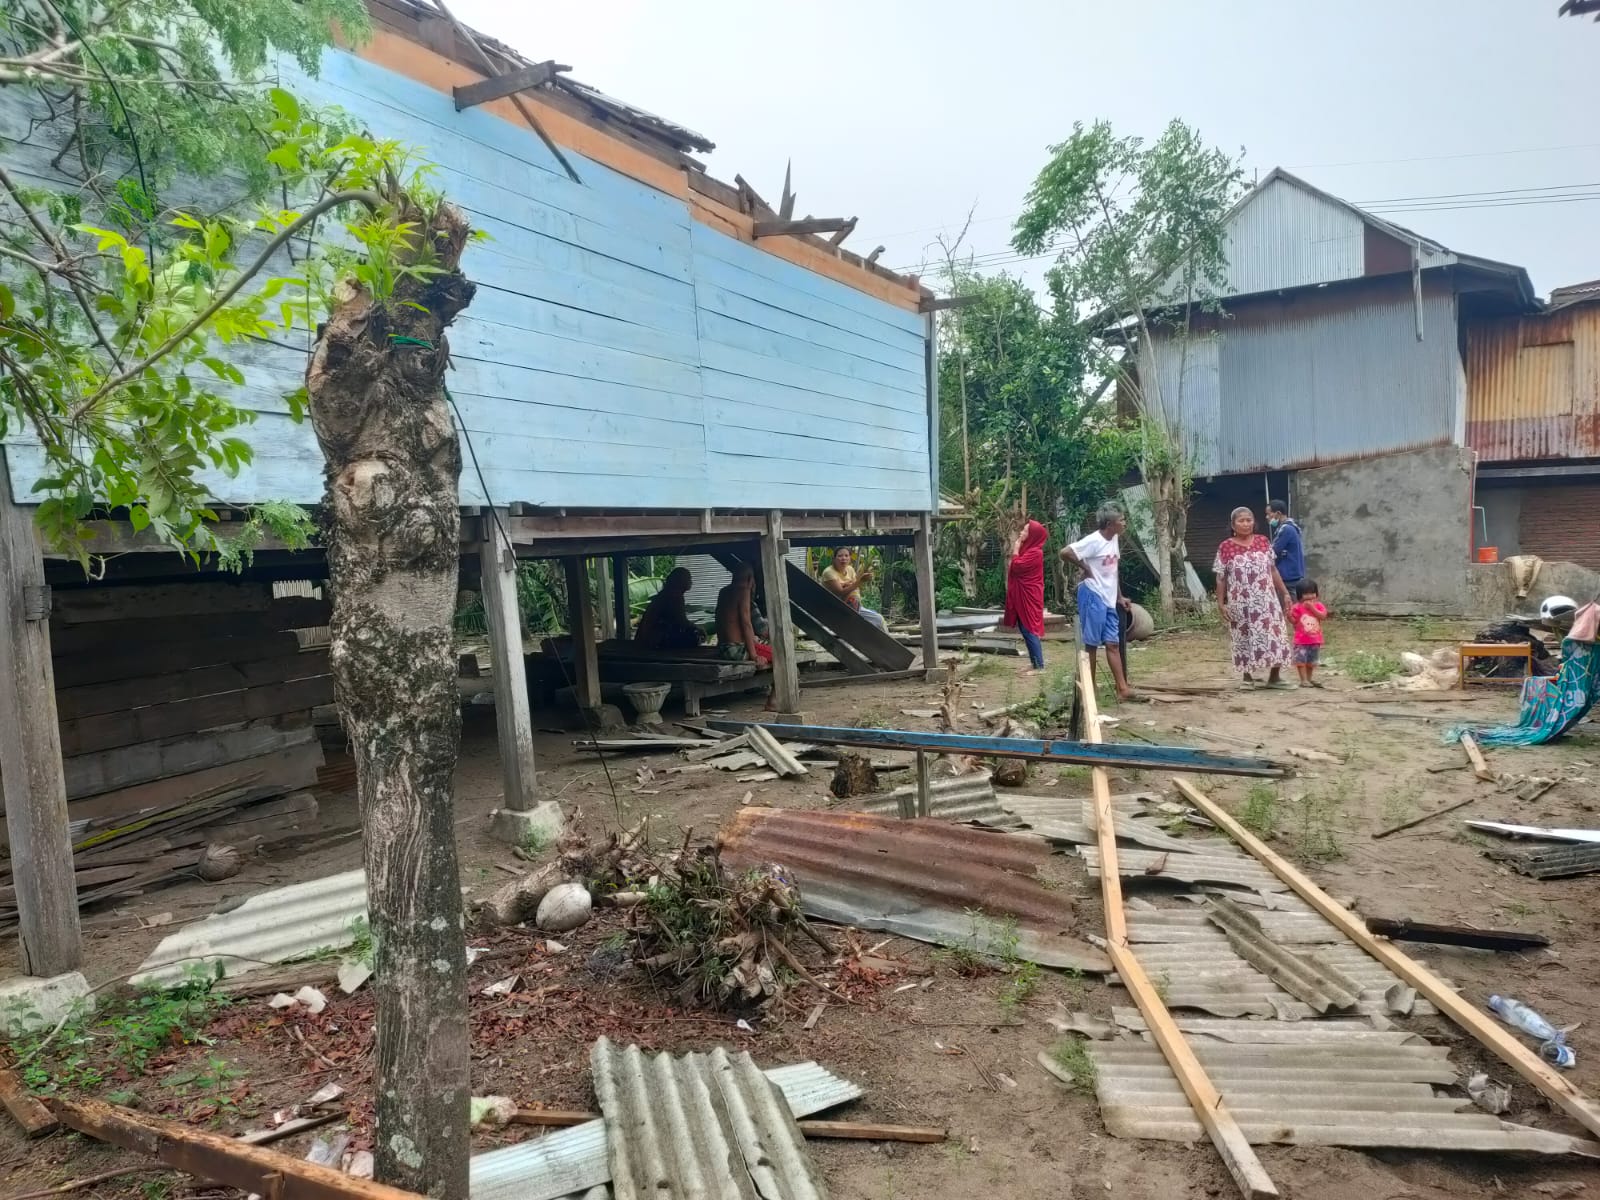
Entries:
{"x":1307,"y":615}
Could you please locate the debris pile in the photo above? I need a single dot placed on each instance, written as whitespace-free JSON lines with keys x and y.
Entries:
{"x":720,"y":937}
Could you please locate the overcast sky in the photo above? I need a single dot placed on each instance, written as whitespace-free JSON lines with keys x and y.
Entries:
{"x":908,"y":113}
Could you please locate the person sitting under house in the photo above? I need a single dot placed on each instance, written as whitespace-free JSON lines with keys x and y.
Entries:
{"x":842,"y":580}
{"x":1288,"y":548}
{"x":665,"y":624}
{"x":736,"y":633}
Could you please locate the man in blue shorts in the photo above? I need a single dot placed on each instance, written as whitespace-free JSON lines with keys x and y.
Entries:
{"x":1100,"y":598}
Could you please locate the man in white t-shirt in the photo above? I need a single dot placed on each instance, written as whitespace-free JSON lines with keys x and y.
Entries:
{"x":1100,"y":598}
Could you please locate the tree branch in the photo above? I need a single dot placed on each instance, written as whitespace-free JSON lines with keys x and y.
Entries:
{"x":372,"y":200}
{"x":51,"y":241}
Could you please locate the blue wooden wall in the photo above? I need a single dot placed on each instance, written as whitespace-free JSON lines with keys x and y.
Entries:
{"x":619,"y":353}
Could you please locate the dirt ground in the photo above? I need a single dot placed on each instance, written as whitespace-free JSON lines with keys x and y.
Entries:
{"x":928,"y":1045}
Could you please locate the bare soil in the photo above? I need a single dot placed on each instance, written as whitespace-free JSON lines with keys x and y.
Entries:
{"x":928,"y":1044}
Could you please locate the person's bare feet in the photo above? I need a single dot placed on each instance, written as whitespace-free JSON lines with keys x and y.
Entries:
{"x":1034,"y":671}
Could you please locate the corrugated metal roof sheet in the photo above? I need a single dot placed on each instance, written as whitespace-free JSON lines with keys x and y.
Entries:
{"x":1342,"y":1092}
{"x":1069,"y":808}
{"x":969,"y":798}
{"x":568,"y":1162}
{"x":1192,"y":925}
{"x":698,"y":1127}
{"x":1256,"y":1032}
{"x":1188,"y":867}
{"x":271,"y":927}
{"x":923,"y":879}
{"x":1533,"y":385}
{"x":1318,"y":982}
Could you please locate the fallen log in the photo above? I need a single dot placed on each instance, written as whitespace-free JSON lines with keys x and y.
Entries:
{"x":24,"y":1106}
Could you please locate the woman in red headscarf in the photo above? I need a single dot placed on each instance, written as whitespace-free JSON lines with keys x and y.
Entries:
{"x":1025,"y":590}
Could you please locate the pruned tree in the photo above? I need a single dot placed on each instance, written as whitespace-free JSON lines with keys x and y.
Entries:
{"x":1140,"y":230}
{"x":125,"y":287}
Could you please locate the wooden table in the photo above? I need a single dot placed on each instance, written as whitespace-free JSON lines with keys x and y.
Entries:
{"x":1471,"y":650}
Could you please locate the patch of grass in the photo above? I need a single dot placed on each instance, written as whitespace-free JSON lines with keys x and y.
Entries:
{"x":1366,"y":666}
{"x":872,"y":718}
{"x":1428,"y":629}
{"x":1260,"y":812}
{"x":1163,"y":985}
{"x":1316,"y":834}
{"x":361,"y":946}
{"x":1024,"y":982}
{"x":987,"y":666}
{"x":1072,"y":1056}
{"x":124,"y":1034}
{"x":1400,"y":805}
{"x":535,"y":842}
{"x":1074,"y":773}
{"x":1519,"y":908}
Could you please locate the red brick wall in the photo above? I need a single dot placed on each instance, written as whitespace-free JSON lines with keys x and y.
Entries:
{"x":1561,"y":523}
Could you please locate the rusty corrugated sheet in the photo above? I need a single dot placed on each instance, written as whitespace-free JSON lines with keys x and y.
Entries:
{"x":1533,"y":385}
{"x":1340,"y":1092}
{"x":923,"y":879}
{"x":698,"y":1127}
{"x":968,"y":798}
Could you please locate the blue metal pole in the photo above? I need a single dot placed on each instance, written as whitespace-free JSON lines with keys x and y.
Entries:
{"x":1104,"y":754}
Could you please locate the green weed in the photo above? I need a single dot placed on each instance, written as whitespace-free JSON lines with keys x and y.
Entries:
{"x":1316,"y":822}
{"x":1519,"y":908}
{"x":1400,"y":805}
{"x":535,"y":842}
{"x":1072,"y":1056}
{"x":987,"y":666}
{"x":1163,"y":985}
{"x":1020,"y":989}
{"x":1074,"y":773}
{"x":1428,"y":629}
{"x":1260,"y":814}
{"x":872,"y":718}
{"x":1365,"y":666}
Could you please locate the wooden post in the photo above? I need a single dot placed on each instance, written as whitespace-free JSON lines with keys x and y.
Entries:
{"x":30,"y":756}
{"x":924,"y":797}
{"x":619,"y":597}
{"x":497,"y":566}
{"x":585,"y":658}
{"x":780,"y":621}
{"x":605,"y":589}
{"x":927,"y":598}
{"x":891,"y":556}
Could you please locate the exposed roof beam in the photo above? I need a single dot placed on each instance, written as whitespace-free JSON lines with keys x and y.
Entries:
{"x":781,"y":228}
{"x":498,"y":86}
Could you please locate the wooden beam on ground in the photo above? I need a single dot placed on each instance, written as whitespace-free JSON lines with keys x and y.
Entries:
{"x":210,"y":1156}
{"x":1480,"y":765}
{"x":1213,"y":1113}
{"x":927,"y":597}
{"x":31,"y":772}
{"x":1478,"y":1022}
{"x":1456,"y":935}
{"x":1427,"y":816}
{"x":24,"y":1106}
{"x":766,"y":229}
{"x":498,"y":86}
{"x":775,"y":580}
{"x":580,"y":621}
{"x":513,"y":716}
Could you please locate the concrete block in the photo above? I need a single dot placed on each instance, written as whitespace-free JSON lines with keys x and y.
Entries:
{"x":29,"y":1004}
{"x":543,"y":822}
{"x":604,"y":718}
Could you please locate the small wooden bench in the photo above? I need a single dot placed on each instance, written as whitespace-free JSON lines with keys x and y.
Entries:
{"x":1472,"y":650}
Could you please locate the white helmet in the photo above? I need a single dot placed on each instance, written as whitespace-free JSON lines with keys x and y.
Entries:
{"x":1556,"y":607}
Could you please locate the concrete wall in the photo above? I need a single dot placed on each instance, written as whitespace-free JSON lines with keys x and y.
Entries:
{"x":1388,"y":535}
{"x":1492,"y":593}
{"x":1502,"y":512}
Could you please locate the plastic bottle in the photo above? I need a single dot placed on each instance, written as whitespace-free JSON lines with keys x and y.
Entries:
{"x":1552,"y":1042}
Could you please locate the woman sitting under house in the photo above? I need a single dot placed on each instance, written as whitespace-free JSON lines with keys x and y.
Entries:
{"x":665,"y":624}
{"x":1552,"y":706}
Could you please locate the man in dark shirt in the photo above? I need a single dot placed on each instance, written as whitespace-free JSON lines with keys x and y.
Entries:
{"x":1287,"y":548}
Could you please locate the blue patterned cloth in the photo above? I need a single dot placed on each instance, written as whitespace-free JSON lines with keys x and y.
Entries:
{"x":1550,"y":706}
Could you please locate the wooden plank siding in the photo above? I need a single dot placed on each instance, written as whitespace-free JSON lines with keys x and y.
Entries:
{"x":620,"y":350}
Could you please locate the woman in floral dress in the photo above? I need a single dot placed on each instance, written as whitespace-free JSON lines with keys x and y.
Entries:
{"x":1253,"y":602}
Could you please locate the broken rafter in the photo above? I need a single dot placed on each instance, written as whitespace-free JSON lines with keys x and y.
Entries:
{"x":787,"y":228}
{"x":849,"y":228}
{"x":872,"y":259}
{"x":497,"y":87}
{"x":213,"y":1157}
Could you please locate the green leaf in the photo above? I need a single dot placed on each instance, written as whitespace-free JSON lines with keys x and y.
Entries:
{"x":8,"y":303}
{"x":138,"y":517}
{"x":288,"y":107}
{"x":285,"y":158}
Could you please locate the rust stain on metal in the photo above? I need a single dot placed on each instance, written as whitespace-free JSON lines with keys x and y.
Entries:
{"x":1533,"y":385}
{"x":926,"y":879}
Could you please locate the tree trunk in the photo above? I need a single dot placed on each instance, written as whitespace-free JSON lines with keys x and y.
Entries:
{"x":377,"y":403}
{"x":1161,"y":486}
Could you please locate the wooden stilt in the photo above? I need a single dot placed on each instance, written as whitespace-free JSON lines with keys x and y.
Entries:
{"x":497,"y":566}
{"x":585,"y":658}
{"x":775,"y":580}
{"x":620,"y":604}
{"x":605,"y":589}
{"x":927,"y":599}
{"x":30,"y":755}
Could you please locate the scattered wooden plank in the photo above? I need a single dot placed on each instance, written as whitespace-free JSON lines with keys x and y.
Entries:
{"x":552,"y":1118}
{"x":1215,"y":1117}
{"x":1312,"y":756}
{"x":213,"y":1157}
{"x":1494,"y":1036}
{"x":1455,"y":935}
{"x":1438,"y":812}
{"x":1480,"y":766}
{"x":864,"y":1131}
{"x":24,"y":1106}
{"x":265,"y":1137}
